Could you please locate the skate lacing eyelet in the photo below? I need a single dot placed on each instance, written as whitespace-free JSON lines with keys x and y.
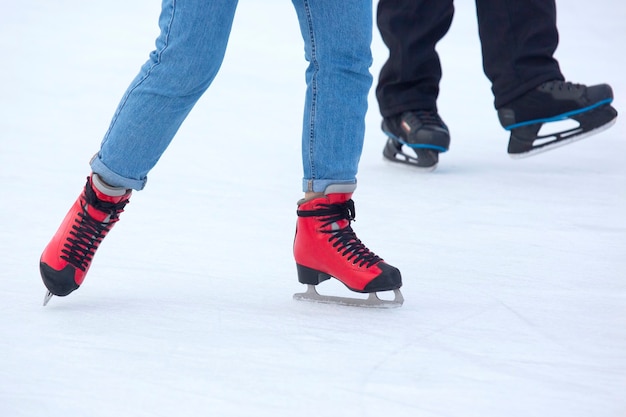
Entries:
{"x":424,"y":117}
{"x":88,"y":232}
{"x":344,"y":239}
{"x":561,"y":85}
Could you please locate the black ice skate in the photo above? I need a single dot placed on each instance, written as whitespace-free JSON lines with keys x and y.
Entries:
{"x":555,"y":101}
{"x":422,"y":131}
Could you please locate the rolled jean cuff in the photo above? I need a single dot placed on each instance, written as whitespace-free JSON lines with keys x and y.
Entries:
{"x":114,"y":179}
{"x":320,"y":186}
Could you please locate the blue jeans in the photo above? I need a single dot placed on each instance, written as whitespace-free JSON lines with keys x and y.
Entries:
{"x":189,"y":51}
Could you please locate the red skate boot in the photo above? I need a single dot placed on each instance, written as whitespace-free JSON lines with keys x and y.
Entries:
{"x":67,"y":258}
{"x":325,"y":246}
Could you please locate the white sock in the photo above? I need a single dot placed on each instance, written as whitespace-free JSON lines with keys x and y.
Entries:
{"x":105,"y":188}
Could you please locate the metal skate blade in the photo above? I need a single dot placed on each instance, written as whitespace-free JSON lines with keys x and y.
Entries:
{"x":47,"y":298}
{"x":372,"y":300}
{"x":407,"y":160}
{"x":558,"y":143}
{"x":424,"y":160}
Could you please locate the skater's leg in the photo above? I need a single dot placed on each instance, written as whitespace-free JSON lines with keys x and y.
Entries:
{"x":337,"y":37}
{"x":408,"y":84}
{"x":409,"y":79}
{"x":188,"y":55}
{"x":518,"y":39}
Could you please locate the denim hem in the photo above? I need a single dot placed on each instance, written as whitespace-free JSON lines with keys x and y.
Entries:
{"x":114,"y":179}
{"x":320,"y":186}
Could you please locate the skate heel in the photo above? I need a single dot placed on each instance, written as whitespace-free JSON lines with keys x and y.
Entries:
{"x":310,"y":276}
{"x":522,"y":138}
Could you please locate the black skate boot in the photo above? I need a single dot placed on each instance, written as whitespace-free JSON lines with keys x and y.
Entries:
{"x":551,"y":102}
{"x":421,"y":130}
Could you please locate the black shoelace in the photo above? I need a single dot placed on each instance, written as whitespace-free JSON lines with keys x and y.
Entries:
{"x":345,"y":240}
{"x":88,"y":232}
{"x":424,"y":117}
{"x":560,"y":85}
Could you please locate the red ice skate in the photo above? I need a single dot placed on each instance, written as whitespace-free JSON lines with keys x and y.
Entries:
{"x":325,"y":246}
{"x":67,"y":258}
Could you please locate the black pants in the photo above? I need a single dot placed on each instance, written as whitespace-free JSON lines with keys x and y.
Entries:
{"x":518,"y":39}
